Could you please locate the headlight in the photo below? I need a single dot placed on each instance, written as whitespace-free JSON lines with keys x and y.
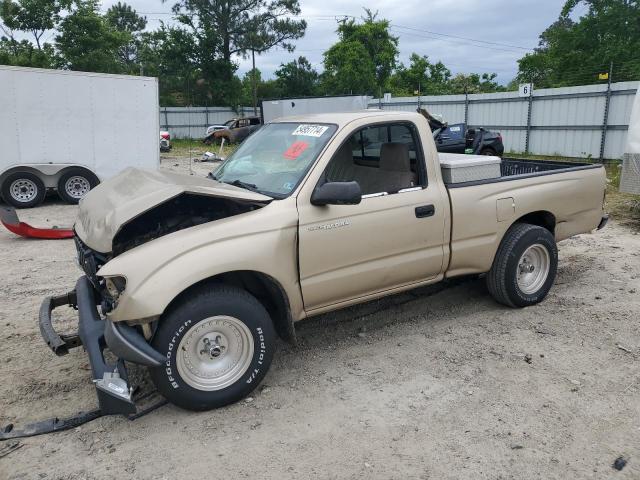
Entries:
{"x":115,"y":286}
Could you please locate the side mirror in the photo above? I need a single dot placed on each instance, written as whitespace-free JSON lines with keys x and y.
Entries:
{"x":337,"y":193}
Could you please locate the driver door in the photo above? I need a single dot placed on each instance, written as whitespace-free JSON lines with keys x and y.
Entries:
{"x":392,"y":239}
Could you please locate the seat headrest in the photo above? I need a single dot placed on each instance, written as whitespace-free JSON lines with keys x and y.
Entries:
{"x":394,"y":157}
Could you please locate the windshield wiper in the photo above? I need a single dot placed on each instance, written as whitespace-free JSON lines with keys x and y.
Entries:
{"x":245,"y":185}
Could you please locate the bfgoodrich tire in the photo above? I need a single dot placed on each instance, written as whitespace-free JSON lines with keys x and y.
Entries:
{"x":218,"y":344}
{"x":525,"y":266}
{"x":23,"y":190}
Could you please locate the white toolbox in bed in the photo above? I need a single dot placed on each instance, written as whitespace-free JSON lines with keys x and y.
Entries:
{"x":460,"y":168}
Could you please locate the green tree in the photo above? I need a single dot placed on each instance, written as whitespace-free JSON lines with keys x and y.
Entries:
{"x":573,"y":52}
{"x":421,"y":75}
{"x":25,"y":54}
{"x":475,"y":83}
{"x":126,"y":20}
{"x":363,"y":58}
{"x":297,"y":78}
{"x":224,"y":28}
{"x":87,"y":42}
{"x":265,"y":88}
{"x":35,"y":17}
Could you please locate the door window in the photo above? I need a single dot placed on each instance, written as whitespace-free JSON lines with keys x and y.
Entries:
{"x":381,"y":158}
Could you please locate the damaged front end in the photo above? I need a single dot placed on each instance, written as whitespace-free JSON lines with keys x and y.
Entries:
{"x":96,"y":334}
{"x":110,"y":223}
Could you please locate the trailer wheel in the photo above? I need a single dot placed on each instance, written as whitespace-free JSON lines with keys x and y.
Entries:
{"x":23,"y":190}
{"x":75,"y":183}
{"x":218,"y":344}
{"x":525,"y":266}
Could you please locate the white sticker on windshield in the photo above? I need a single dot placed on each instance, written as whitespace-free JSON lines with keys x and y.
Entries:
{"x":310,"y":130}
{"x":454,"y":129}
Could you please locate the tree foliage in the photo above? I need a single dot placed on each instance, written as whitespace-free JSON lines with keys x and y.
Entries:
{"x":573,"y":51}
{"x":126,"y":20}
{"x":363,"y":58}
{"x":421,"y":76}
{"x":297,"y":78}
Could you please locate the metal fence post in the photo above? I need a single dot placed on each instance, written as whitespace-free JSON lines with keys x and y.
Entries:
{"x":528,"y":134}
{"x":166,"y":119}
{"x":466,"y":107}
{"x":206,"y":113}
{"x":605,"y":119}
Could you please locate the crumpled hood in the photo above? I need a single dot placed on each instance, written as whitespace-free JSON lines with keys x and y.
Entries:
{"x":115,"y":202}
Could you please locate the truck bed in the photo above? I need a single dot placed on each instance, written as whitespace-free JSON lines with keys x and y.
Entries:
{"x":566,"y":195}
{"x":519,"y":168}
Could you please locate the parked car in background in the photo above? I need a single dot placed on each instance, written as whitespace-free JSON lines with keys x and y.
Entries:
{"x":67,"y":131}
{"x":165,"y":141}
{"x":459,"y":138}
{"x":234,"y":131}
{"x":224,"y":126}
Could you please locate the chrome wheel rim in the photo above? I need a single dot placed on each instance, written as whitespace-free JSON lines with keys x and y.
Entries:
{"x":533,"y":269}
{"x":77,"y":187}
{"x":23,"y":190}
{"x":215,"y":353}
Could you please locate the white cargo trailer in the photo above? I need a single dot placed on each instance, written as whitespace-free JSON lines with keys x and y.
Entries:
{"x":67,"y":131}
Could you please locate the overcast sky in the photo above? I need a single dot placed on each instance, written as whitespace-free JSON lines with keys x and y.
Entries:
{"x":509,"y":23}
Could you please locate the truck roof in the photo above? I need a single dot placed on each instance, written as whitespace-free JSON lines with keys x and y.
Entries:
{"x":343,"y":118}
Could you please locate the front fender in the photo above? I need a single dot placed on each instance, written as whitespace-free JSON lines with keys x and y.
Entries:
{"x":158,"y":271}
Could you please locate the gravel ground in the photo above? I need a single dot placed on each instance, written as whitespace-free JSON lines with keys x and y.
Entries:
{"x":436,"y":383}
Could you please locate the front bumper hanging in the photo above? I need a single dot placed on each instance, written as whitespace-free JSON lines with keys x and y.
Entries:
{"x":96,"y":334}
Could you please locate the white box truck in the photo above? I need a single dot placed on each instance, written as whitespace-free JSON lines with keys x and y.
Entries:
{"x":67,"y":131}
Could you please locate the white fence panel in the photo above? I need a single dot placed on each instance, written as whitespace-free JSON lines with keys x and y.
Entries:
{"x":566,"y":121}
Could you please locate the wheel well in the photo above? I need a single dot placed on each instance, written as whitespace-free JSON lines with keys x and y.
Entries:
{"x":267,"y":291}
{"x":542,"y":219}
{"x":88,"y":172}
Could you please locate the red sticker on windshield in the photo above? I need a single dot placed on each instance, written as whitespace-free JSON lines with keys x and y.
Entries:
{"x":295,"y":150}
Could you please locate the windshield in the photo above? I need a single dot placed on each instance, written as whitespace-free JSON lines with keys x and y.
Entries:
{"x":274,"y":160}
{"x":228,"y":123}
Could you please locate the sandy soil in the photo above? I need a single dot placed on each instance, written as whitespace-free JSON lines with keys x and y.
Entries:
{"x":436,"y":383}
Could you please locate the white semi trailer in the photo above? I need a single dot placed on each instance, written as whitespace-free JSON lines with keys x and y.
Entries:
{"x":67,"y":131}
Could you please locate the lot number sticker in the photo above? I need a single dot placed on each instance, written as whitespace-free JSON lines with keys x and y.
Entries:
{"x":295,"y":150}
{"x":310,"y":130}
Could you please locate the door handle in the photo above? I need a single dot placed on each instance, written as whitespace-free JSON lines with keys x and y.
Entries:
{"x":425,"y":211}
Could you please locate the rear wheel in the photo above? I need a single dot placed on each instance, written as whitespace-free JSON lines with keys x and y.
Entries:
{"x":75,"y":183}
{"x":218,"y":344}
{"x":525,"y":266}
{"x":488,"y":151}
{"x":23,"y":190}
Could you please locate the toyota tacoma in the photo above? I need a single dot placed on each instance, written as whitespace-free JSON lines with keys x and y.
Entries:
{"x":195,"y":278}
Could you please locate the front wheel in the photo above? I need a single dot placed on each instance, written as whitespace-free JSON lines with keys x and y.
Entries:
{"x":525,"y":266}
{"x":218,"y":344}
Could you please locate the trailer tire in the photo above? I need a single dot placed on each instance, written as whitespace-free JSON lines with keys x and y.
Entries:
{"x":75,"y":183}
{"x":524,"y":267}
{"x":218,"y":343}
{"x":23,"y":190}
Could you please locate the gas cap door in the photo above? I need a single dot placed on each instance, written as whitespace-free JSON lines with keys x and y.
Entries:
{"x":505,"y":209}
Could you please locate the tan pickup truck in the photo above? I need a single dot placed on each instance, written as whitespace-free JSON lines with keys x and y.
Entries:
{"x":195,"y":277}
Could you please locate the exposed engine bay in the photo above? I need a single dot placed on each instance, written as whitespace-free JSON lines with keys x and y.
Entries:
{"x":184,"y":211}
